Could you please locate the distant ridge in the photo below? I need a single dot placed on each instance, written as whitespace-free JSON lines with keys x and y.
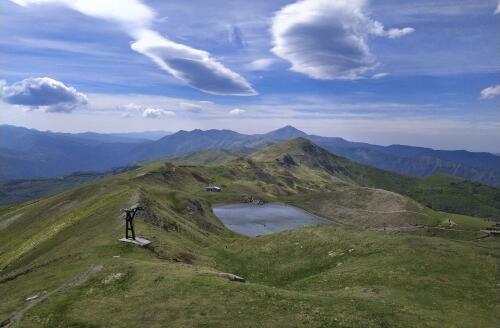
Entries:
{"x":30,"y":153}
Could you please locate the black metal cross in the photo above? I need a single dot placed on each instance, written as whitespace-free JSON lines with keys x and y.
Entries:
{"x":129,"y":220}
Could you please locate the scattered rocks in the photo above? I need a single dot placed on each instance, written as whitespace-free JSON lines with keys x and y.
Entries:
{"x":250,"y":199}
{"x":232,"y":277}
{"x":451,"y":224}
{"x":336,"y":252}
{"x":171,"y":226}
{"x":30,"y":298}
{"x":113,"y":277}
{"x":339,"y":252}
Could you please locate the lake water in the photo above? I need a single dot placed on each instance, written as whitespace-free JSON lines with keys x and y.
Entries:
{"x":254,"y":220}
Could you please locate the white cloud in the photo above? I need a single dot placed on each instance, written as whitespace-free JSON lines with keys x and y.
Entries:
{"x":376,"y":28}
{"x":327,"y":40}
{"x":394,"y":33}
{"x":195,"y":67}
{"x":156,"y":113}
{"x":237,"y":111}
{"x":379,"y":76}
{"x":497,"y":11}
{"x":131,"y":107}
{"x":43,"y":93}
{"x":491,"y":92}
{"x":261,"y":64}
{"x":190,"y":107}
{"x":132,"y":14}
{"x":192,"y":66}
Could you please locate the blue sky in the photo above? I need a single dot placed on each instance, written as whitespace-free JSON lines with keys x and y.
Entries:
{"x":376,"y":71}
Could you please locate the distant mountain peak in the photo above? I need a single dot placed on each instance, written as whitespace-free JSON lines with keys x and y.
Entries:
{"x":286,"y":132}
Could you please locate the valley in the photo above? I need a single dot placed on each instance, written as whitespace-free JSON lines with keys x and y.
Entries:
{"x":386,"y":261}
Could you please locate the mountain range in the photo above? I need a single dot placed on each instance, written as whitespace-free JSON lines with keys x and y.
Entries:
{"x":27,"y":153}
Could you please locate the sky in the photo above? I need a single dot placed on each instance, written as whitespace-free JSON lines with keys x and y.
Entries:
{"x":424,"y":73}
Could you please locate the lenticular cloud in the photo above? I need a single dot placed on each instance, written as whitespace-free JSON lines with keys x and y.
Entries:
{"x":327,"y":40}
{"x":192,"y":66}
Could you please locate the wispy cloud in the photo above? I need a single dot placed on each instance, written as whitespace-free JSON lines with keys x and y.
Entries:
{"x":430,"y":9}
{"x":64,"y":46}
{"x":194,"y":67}
{"x":131,"y":107}
{"x":261,"y":64}
{"x":235,"y":36}
{"x":191,"y":107}
{"x":379,"y":76}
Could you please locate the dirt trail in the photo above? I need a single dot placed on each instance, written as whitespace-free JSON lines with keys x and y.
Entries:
{"x":381,"y":212}
{"x":76,"y":281}
{"x":7,"y":222}
{"x":134,"y":199}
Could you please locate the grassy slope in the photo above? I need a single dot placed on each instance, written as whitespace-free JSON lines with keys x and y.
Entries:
{"x":440,"y":192}
{"x":204,"y":157}
{"x":315,"y":277}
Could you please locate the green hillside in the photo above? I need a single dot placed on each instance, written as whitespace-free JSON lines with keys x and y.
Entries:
{"x":204,"y":157}
{"x":439,"y":192}
{"x":385,"y":261}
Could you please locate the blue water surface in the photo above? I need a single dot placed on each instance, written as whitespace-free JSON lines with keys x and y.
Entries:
{"x":255,"y":220}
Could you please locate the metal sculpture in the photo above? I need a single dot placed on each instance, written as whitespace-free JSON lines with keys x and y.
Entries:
{"x":129,"y":220}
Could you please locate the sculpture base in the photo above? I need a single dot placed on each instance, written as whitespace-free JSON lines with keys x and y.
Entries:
{"x":138,"y":241}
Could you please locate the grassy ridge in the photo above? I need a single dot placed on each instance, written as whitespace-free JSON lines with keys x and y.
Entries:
{"x":440,"y":192}
{"x":341,"y":275}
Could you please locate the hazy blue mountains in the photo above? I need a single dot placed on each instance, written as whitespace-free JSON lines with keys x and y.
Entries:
{"x":28,"y":153}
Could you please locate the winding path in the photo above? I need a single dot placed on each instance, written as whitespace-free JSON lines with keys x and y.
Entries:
{"x":76,"y":281}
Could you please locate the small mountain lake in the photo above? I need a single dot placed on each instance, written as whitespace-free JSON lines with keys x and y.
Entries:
{"x":254,"y":220}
